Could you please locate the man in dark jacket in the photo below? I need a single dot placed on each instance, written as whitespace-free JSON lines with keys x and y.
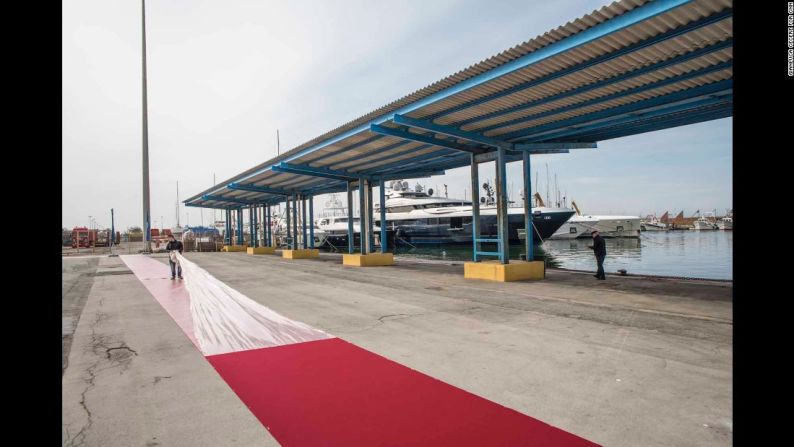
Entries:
{"x":174,"y":245}
{"x":600,"y":249}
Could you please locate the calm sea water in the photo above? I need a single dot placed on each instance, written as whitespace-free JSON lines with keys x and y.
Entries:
{"x":700,"y":254}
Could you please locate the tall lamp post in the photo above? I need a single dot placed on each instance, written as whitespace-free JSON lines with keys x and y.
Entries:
{"x":147,"y":234}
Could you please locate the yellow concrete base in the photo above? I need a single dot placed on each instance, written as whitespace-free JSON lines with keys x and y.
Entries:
{"x":234,"y":247}
{"x":368,"y":260}
{"x":304,"y":253}
{"x":496,"y":271}
{"x":261,"y":250}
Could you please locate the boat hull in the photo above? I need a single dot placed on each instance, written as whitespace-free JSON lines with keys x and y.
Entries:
{"x":443,"y":233}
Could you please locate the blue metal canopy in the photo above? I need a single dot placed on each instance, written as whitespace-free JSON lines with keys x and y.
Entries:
{"x":631,"y":67}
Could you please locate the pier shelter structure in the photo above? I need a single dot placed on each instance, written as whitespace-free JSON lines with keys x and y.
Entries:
{"x":631,"y":67}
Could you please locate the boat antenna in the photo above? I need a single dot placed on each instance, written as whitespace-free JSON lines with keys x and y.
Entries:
{"x":278,"y":144}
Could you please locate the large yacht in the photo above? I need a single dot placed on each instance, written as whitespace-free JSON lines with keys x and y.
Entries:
{"x":580,"y":226}
{"x":417,"y":217}
{"x":333,"y":222}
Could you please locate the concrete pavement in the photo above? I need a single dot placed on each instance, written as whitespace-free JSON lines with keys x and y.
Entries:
{"x":624,"y":362}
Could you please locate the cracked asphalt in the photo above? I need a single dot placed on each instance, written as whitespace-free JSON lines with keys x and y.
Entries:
{"x":623,"y":362}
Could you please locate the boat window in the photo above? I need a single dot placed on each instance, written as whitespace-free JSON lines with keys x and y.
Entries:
{"x":400,"y":209}
{"x":619,"y":228}
{"x":456,"y":222}
{"x":573,"y":230}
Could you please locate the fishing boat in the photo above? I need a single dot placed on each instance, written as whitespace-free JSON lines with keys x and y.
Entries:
{"x":651,"y":223}
{"x":726,"y":223}
{"x":706,"y":221}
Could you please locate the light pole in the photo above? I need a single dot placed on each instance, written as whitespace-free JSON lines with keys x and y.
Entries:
{"x":147,"y":235}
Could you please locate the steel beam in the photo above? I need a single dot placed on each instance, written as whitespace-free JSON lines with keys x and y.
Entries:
{"x":372,"y":153}
{"x":642,"y":126}
{"x":253,"y":188}
{"x":449,"y":131}
{"x":547,"y":131}
{"x":609,"y":97}
{"x":228,"y":199}
{"x":639,"y":113}
{"x":315,"y":172}
{"x":389,"y":156}
{"x":424,"y":138}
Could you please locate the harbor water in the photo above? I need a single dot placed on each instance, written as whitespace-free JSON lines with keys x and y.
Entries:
{"x":688,"y":253}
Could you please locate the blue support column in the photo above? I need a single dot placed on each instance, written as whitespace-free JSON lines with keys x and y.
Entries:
{"x":303,"y":222}
{"x":257,"y":225}
{"x":528,"y":226}
{"x":240,"y":240}
{"x":295,"y":213}
{"x":289,"y":226}
{"x":501,"y":206}
{"x":268,"y":228}
{"x":251,"y":231}
{"x":227,"y":233}
{"x":362,"y":214}
{"x":311,"y":221}
{"x":370,"y":219}
{"x":350,"y":233}
{"x":475,"y":206}
{"x":383,"y":242}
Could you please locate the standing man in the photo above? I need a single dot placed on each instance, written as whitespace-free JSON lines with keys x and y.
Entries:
{"x":172,"y":247}
{"x":600,"y":249}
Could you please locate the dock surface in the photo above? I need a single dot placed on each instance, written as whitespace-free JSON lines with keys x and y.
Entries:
{"x":623,"y":362}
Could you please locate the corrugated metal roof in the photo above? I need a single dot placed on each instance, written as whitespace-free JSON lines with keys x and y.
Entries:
{"x":685,"y":48}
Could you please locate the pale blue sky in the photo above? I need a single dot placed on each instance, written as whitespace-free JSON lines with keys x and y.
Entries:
{"x":224,"y":75}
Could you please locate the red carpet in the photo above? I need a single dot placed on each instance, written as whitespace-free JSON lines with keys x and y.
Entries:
{"x":333,"y":393}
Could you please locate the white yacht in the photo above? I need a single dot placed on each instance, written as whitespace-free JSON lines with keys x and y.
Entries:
{"x":417,"y":217}
{"x":580,"y":226}
{"x":280,"y":232}
{"x":333,"y":222}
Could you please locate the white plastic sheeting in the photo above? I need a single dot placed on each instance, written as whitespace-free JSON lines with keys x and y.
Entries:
{"x":225,"y":320}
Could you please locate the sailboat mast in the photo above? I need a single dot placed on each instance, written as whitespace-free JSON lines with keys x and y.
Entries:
{"x":177,"y":204}
{"x":548,"y":197}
